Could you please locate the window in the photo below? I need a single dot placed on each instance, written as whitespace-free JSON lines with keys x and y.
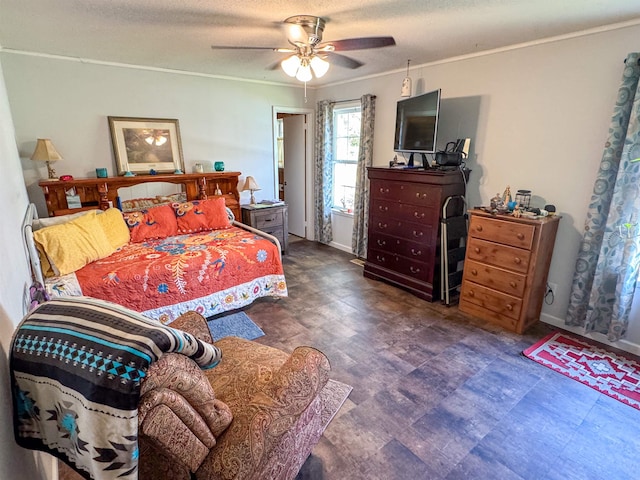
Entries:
{"x":346,"y":143}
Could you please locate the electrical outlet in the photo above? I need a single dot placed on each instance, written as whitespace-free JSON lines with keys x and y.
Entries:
{"x":552,"y":291}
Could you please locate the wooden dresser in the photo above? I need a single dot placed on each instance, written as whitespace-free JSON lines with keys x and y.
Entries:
{"x":273,"y":220}
{"x":102,"y":192}
{"x":506,"y":268}
{"x":405,"y":207}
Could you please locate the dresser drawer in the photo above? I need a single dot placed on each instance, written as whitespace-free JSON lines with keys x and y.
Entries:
{"x":276,"y":232}
{"x":415,"y":232}
{"x":404,"y":192}
{"x":409,"y":267}
{"x":403,"y":247}
{"x":264,"y":220}
{"x":501,"y":256}
{"x":496,"y":278}
{"x":489,"y":299}
{"x":403,"y":211}
{"x":507,"y":233}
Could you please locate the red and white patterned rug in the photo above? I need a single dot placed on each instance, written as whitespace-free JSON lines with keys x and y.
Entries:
{"x":607,"y":372}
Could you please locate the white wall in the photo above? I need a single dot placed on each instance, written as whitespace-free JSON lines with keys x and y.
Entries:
{"x":538,"y":117}
{"x":15,"y":462}
{"x":69,"y":101}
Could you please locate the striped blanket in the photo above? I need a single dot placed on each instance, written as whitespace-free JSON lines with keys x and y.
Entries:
{"x":76,"y":367}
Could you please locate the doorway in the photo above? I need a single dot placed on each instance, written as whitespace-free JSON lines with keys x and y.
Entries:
{"x":293,"y":169}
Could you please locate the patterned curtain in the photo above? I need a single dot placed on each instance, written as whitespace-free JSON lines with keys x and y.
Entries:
{"x":323,"y":172}
{"x":607,"y":266}
{"x":365,"y":159}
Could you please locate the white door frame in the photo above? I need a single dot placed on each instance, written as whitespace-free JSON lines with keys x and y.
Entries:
{"x":309,"y":185}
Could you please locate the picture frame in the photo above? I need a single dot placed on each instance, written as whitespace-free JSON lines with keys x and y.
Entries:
{"x":146,"y":145}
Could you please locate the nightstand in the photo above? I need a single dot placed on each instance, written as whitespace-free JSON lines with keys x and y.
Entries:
{"x":272,"y":219}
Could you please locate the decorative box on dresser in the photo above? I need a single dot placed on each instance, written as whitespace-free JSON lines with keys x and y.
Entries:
{"x":273,"y":219}
{"x":506,"y":268}
{"x":405,"y":207}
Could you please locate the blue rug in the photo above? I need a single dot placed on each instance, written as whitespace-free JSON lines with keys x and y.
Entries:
{"x":234,"y":325}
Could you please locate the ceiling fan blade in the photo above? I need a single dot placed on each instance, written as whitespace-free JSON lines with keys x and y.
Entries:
{"x":274,"y":66}
{"x":343,"y":61}
{"x":229,"y":47}
{"x":361,"y":43}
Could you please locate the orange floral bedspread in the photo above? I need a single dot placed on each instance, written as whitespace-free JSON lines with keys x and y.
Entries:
{"x":209,"y":272}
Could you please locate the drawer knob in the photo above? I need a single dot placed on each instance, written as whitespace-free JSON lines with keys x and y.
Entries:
{"x":474,"y":272}
{"x":520,"y":236}
{"x":512,"y":284}
{"x":418,"y":215}
{"x":509,"y":307}
{"x":417,"y":234}
{"x":413,"y":252}
{"x":384,"y":190}
{"x":382,"y":243}
{"x":517,"y":260}
{"x":380,"y":259}
{"x":421,"y":195}
{"x":479,"y":228}
{"x":383,"y":208}
{"x":414,"y":270}
{"x":477,"y":249}
{"x":471,"y":293}
{"x":382,"y":225}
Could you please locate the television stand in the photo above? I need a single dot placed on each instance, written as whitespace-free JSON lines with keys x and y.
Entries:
{"x":425,"y":162}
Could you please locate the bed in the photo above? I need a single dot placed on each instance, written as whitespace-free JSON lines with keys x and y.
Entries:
{"x":209,"y":271}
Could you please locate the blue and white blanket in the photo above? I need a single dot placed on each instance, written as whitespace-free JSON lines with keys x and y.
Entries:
{"x":76,"y":367}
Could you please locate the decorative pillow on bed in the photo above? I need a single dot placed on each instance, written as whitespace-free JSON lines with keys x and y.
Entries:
{"x":70,"y":246}
{"x":137,"y":204}
{"x":156,"y":222}
{"x":114,"y":227}
{"x":200,"y":215}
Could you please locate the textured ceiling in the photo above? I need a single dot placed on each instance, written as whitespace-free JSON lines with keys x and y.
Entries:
{"x":178,"y":34}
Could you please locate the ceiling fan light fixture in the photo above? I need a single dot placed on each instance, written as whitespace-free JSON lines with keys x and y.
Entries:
{"x":304,"y":73}
{"x":320,"y":66}
{"x":291,"y":65}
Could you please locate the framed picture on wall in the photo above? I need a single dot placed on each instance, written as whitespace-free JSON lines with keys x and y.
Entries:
{"x":144,"y":144}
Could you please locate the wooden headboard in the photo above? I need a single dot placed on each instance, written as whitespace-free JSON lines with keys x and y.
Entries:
{"x":103,"y":192}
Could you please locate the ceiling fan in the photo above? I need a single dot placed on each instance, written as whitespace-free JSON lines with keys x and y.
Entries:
{"x":309,"y":56}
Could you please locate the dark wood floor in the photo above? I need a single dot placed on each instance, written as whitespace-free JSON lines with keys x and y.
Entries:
{"x":437,"y":395}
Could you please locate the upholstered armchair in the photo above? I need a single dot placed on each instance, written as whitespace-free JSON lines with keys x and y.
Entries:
{"x":256,"y":415}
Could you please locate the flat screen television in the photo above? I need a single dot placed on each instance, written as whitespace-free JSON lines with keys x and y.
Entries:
{"x":417,"y":123}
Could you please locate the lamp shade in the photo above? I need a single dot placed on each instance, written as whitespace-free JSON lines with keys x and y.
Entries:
{"x":290,"y":65}
{"x":304,"y":73}
{"x":45,"y":151}
{"x":250,"y":184}
{"x":320,"y":66}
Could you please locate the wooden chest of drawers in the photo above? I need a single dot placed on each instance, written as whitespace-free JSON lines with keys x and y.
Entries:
{"x":506,"y":268}
{"x":273,"y":220}
{"x":404,"y":217}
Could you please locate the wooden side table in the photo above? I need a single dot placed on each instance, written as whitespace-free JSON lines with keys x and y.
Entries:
{"x":272,"y":219}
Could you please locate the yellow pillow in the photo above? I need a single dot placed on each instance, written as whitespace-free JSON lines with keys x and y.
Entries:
{"x":45,"y":265}
{"x":114,"y":227}
{"x":70,"y":246}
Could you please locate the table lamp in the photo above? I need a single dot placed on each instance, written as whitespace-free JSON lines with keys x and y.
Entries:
{"x":46,"y":152}
{"x":251,"y":185}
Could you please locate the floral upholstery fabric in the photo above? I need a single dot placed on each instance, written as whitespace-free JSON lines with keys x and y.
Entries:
{"x":176,"y":393}
{"x":274,"y":399}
